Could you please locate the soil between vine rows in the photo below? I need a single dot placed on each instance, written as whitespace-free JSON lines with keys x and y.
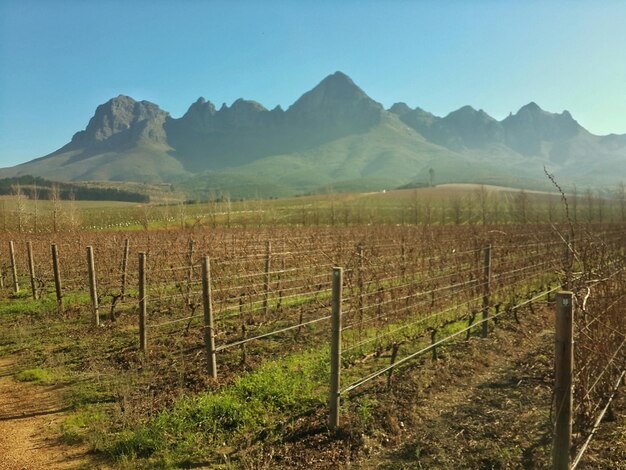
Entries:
{"x":482,"y":404}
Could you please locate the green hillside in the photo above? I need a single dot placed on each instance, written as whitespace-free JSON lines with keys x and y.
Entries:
{"x":333,"y":138}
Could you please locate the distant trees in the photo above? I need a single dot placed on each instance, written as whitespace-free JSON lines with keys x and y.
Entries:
{"x":35,"y":187}
{"x":428,"y":211}
{"x":621,"y":198}
{"x":589,"y":205}
{"x":601,"y":204}
{"x":551,"y":209}
{"x":521,"y":206}
{"x":228,"y":209}
{"x":73,"y":213}
{"x":54,"y":195}
{"x":574,"y":199}
{"x":457,"y":209}
{"x":35,"y":197}
{"x":26,"y":211}
{"x":416,"y":206}
{"x":20,"y":207}
{"x":483,"y":199}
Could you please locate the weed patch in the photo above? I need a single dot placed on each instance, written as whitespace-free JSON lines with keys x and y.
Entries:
{"x":195,"y":427}
{"x":34,"y":375}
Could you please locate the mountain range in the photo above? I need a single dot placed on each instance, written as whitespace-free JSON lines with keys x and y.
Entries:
{"x":334,"y":137}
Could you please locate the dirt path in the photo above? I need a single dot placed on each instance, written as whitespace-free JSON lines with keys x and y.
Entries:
{"x":492,"y":411}
{"x":28,"y":417}
{"x":483,"y":404}
{"x":494,"y":415}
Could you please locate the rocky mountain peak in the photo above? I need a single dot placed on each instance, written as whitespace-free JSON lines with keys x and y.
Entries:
{"x":335,"y":90}
{"x":339,"y":82}
{"x":242,"y":114}
{"x":468,"y":113}
{"x":336,"y":102}
{"x":468,"y":127}
{"x":531,"y":107}
{"x":202,"y":106}
{"x":400,"y":109}
{"x":464,"y":110}
{"x":199,"y":114}
{"x":336,"y":117}
{"x":553,"y":122}
{"x":531,"y":125}
{"x":122,"y":115}
{"x":246,"y":106}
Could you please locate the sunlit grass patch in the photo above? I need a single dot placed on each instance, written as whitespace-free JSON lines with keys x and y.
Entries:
{"x":35,"y":375}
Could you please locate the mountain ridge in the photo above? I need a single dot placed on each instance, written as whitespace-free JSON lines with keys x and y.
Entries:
{"x":332,"y":132}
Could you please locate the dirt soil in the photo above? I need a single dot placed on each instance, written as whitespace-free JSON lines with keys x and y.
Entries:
{"x":29,"y":419}
{"x":482,"y":404}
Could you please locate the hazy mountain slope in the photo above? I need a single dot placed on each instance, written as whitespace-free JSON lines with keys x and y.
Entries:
{"x":206,"y":138}
{"x":333,"y":136}
{"x":143,"y":162}
{"x":465,"y":128}
{"x":388,"y":156}
{"x":524,"y":142}
{"x":124,"y":141}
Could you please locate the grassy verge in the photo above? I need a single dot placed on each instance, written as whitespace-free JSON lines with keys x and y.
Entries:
{"x":199,"y":430}
{"x":202,"y":429}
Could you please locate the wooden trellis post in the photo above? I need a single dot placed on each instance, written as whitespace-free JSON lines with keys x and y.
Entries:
{"x":563,"y":390}
{"x":267,"y":281}
{"x":57,"y":276}
{"x":209,"y":330}
{"x":124,"y":270}
{"x":486,"y":288}
{"x":143,"y":342}
{"x":189,"y":270}
{"x":360,"y":281}
{"x":31,"y":269}
{"x":93,"y":290}
{"x":16,"y":284}
{"x":335,"y":349}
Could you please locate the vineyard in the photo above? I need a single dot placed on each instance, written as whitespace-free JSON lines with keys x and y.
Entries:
{"x":176,"y":341}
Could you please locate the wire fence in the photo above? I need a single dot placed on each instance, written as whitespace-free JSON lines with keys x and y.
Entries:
{"x":406,"y":291}
{"x":599,"y":339}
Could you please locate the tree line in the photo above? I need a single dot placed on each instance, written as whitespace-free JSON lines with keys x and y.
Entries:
{"x":35,"y":187}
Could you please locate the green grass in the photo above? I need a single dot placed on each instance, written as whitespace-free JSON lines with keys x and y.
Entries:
{"x":22,"y":303}
{"x":194,"y":429}
{"x":85,"y":425}
{"x":35,"y":375}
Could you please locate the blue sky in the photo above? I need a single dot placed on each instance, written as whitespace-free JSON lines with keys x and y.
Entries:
{"x":59,"y":59}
